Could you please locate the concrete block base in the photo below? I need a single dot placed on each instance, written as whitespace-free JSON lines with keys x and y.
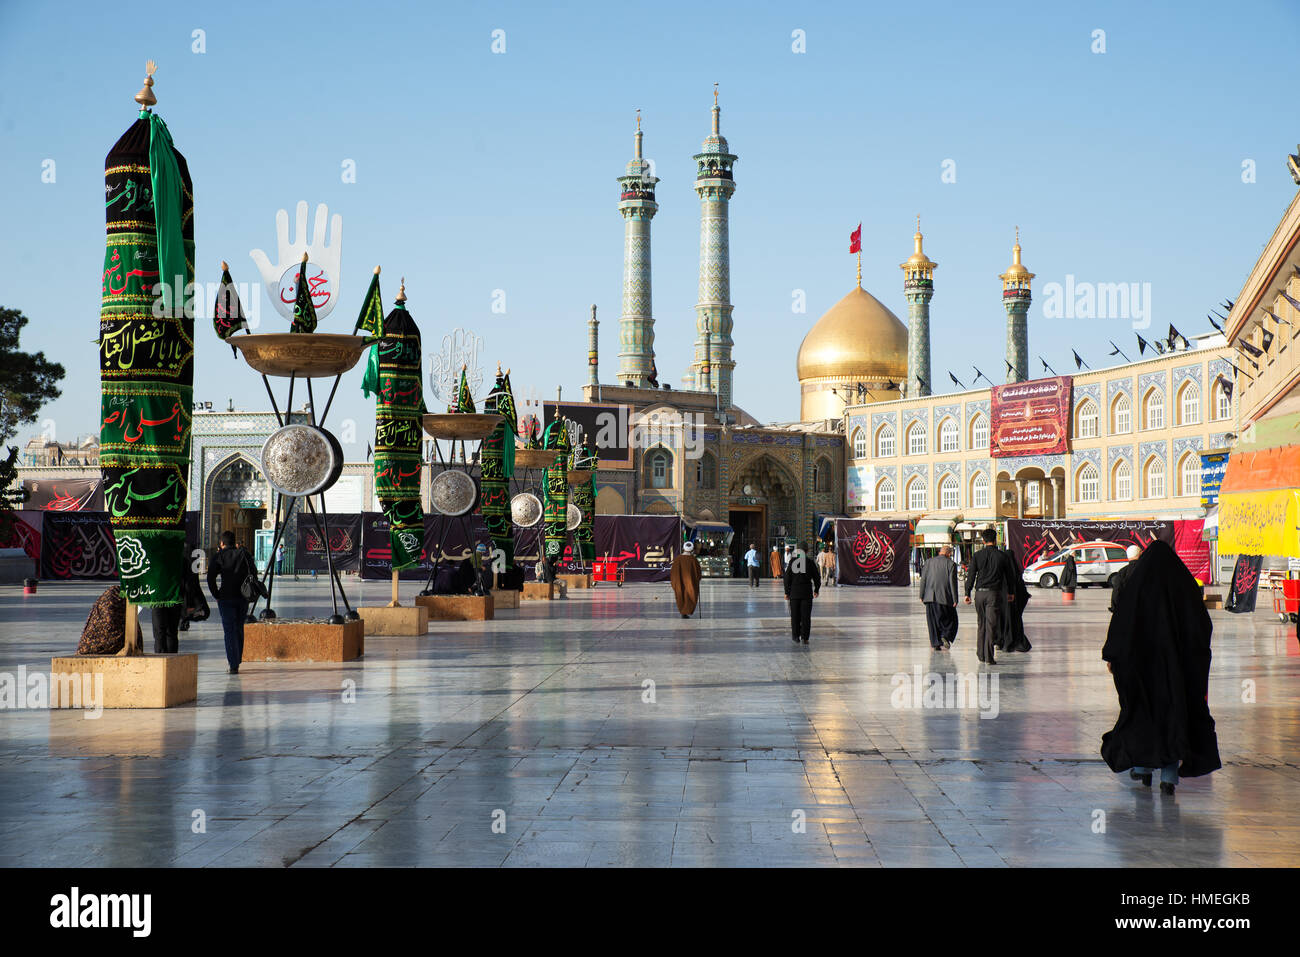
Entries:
{"x":578,"y":581}
{"x":139,"y":681}
{"x":542,"y":591}
{"x":505,"y":599}
{"x":289,"y":639}
{"x":458,"y":607}
{"x":405,"y":620}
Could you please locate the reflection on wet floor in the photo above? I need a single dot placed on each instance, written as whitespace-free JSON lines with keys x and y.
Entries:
{"x":604,"y":730}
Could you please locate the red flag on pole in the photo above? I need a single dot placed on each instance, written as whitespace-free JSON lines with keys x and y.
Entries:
{"x":855,"y":240}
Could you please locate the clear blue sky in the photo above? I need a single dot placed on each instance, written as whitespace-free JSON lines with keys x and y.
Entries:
{"x":479,"y":171}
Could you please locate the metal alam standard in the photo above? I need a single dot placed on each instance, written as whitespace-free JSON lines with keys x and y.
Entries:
{"x":146,"y":357}
{"x":453,"y":492}
{"x":300,"y":459}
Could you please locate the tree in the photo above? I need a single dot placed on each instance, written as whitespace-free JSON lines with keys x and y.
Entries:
{"x":27,"y":382}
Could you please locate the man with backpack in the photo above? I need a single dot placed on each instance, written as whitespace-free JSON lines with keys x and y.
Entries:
{"x":234,"y":566}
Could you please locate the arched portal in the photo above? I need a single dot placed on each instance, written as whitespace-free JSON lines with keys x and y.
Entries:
{"x":236,"y":497}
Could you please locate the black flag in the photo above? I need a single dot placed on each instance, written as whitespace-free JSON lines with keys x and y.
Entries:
{"x":955,"y":381}
{"x":1213,"y":323}
{"x":1227,"y":386}
{"x":1142,"y":344}
{"x":369,"y":451}
{"x":1174,"y":336}
{"x":1294,"y":304}
{"x":1078,"y":360}
{"x":1267,"y":340}
{"x":1251,"y":348}
{"x":1277,"y":318}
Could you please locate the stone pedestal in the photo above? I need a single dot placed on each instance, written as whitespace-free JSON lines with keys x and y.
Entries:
{"x":405,"y":620}
{"x":542,"y":591}
{"x":138,"y":681}
{"x":288,"y":639}
{"x":458,"y":607}
{"x":508,"y":598}
{"x":578,"y":581}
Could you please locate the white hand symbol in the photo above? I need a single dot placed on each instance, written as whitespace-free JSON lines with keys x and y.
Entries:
{"x":325,"y":259}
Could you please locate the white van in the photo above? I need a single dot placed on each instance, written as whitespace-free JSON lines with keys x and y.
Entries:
{"x":1095,"y":562}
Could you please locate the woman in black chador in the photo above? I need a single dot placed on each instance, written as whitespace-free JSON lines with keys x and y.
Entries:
{"x":1011,"y":626}
{"x":1158,"y":649}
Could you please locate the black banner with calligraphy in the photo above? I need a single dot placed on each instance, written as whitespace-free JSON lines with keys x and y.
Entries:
{"x":81,"y":544}
{"x":64,"y":495}
{"x":871,"y":552}
{"x":345,"y":542}
{"x":1030,"y":540}
{"x":643,"y":546}
{"x":1245,"y":584}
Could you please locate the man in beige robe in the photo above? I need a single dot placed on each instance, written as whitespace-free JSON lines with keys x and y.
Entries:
{"x":685,"y":576}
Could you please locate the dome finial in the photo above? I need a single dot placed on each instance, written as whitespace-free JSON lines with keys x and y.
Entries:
{"x":401,"y":291}
{"x":638,"y":133}
{"x":716,"y":112}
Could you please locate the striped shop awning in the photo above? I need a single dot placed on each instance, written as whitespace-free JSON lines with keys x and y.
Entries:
{"x":934,"y":531}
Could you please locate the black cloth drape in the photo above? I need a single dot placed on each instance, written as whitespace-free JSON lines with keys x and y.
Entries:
{"x":1158,"y":648}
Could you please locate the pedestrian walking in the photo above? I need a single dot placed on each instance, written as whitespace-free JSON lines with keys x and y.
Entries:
{"x":279,"y":559}
{"x":826,"y":565}
{"x":802,"y":584}
{"x":988,"y":579}
{"x":752,"y":563}
{"x":228,"y":571}
{"x":685,"y":578}
{"x":775,"y":564}
{"x":1158,"y":650}
{"x":939,"y":595}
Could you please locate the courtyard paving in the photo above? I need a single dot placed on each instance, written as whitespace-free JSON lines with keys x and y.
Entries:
{"x":604,"y":730}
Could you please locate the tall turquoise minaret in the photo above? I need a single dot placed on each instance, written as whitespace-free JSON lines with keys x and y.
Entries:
{"x":713,"y":365}
{"x":1015,"y":299}
{"x":918,"y":289}
{"x":636,"y":326}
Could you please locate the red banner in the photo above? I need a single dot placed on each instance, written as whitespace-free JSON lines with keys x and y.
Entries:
{"x":1031,"y":418}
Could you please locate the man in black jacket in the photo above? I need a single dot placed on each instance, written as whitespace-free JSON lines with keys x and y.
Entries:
{"x":802,"y":584}
{"x":232,"y":564}
{"x":989,"y":578}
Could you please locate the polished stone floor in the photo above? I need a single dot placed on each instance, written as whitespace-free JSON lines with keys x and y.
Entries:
{"x":605,"y":730}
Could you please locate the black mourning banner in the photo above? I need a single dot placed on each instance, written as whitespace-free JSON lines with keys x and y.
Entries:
{"x":604,"y":426}
{"x":872,"y":552}
{"x":1031,"y":540}
{"x":81,"y":544}
{"x":65,"y":495}
{"x":1245,"y":584}
{"x":344,"y":538}
{"x":643,"y":546}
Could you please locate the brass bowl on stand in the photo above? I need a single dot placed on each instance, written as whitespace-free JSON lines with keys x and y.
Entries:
{"x":535,"y":458}
{"x":308,"y":355}
{"x":467,"y":426}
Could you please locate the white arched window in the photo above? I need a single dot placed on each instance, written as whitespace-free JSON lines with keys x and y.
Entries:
{"x":1085,"y":420}
{"x":1189,"y":404}
{"x":916,"y":439}
{"x":885,"y":441}
{"x":1122,"y":481}
{"x":1153,"y":410}
{"x":979,"y":432}
{"x":916,"y":494}
{"x":949,"y":436}
{"x":1189,"y":474}
{"x":1222,"y":402}
{"x":859,"y":444}
{"x":660,"y":466}
{"x":1122,"y":416}
{"x":1154,"y":478}
{"x":979,"y":491}
{"x":948,"y":492}
{"x":1089,"y":484}
{"x":885,"y":496}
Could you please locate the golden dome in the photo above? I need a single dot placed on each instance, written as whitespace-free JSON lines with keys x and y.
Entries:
{"x":857,"y":338}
